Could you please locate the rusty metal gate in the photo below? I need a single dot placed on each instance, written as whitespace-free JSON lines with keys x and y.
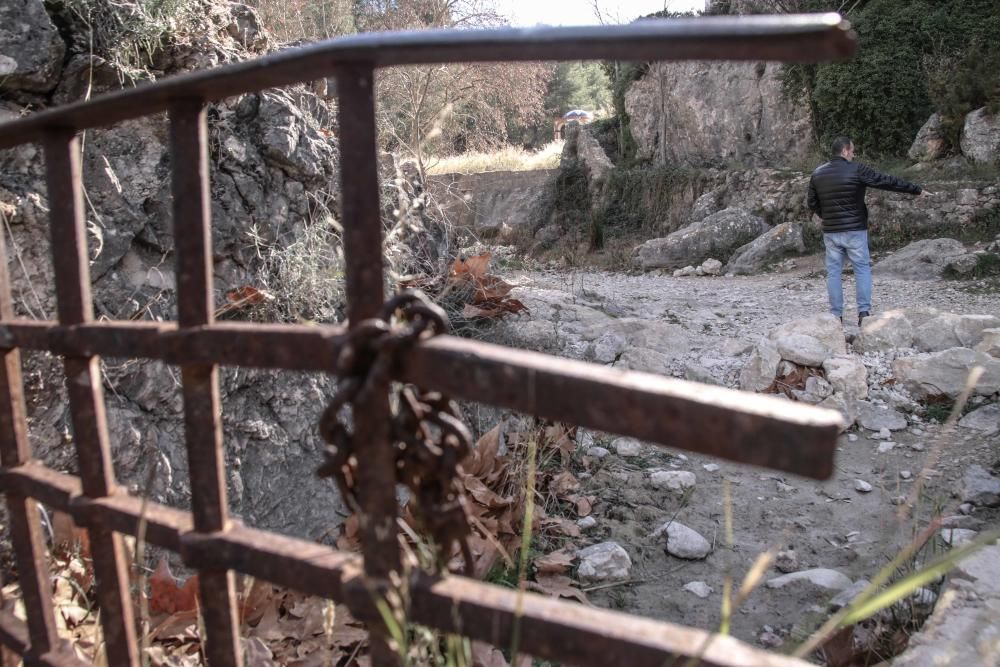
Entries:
{"x":739,"y":427}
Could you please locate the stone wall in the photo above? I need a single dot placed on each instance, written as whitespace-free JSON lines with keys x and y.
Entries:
{"x":490,"y":202}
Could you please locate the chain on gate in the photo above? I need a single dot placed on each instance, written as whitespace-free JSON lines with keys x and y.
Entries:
{"x":429,"y":440}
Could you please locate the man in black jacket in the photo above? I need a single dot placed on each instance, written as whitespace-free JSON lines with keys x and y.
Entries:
{"x":837,"y":195}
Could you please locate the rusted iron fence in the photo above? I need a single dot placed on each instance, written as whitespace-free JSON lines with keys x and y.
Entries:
{"x":739,"y":427}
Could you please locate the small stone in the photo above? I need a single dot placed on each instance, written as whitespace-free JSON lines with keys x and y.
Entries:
{"x":683,"y":542}
{"x":785,"y":488}
{"x":711,"y":267}
{"x":851,"y":437}
{"x":886,"y":447}
{"x":711,"y":467}
{"x":584,"y":438}
{"x":874,"y":418}
{"x":606,"y":561}
{"x":674,"y":480}
{"x":770,"y":640}
{"x":905,"y":474}
{"x":985,"y":419}
{"x":956,"y":537}
{"x":898,"y":500}
{"x":699,"y":588}
{"x":586,"y":523}
{"x":786,"y":561}
{"x":917,"y":447}
{"x":965,"y":508}
{"x":883,"y":434}
{"x":846,"y":596}
{"x":861,"y":486}
{"x":981,"y":488}
{"x":597,"y":452}
{"x":821,"y":577}
{"x":627,"y":446}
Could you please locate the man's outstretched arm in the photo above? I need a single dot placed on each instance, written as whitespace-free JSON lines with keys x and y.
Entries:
{"x":876,"y":179}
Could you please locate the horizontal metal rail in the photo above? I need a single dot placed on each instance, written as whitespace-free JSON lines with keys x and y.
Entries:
{"x":686,"y":415}
{"x":550,"y":629}
{"x":791,"y":38}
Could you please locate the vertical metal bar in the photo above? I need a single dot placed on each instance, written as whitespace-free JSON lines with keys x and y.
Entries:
{"x":364,"y":274}
{"x":202,"y":412}
{"x":25,"y":527}
{"x":86,"y":397}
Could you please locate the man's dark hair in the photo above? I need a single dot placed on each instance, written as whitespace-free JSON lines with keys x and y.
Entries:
{"x":840,"y":143}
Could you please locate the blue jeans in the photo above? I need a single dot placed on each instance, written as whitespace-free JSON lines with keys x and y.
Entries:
{"x":853,"y":246}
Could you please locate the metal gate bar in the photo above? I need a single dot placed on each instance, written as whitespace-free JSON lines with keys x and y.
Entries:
{"x":730,"y":424}
{"x":83,"y":382}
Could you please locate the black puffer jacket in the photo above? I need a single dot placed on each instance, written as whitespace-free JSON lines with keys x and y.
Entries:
{"x":837,"y":193}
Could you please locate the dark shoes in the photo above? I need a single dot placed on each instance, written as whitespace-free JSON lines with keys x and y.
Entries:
{"x":862,"y":315}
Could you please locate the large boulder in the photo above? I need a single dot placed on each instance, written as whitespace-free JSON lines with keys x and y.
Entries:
{"x":981,"y":136}
{"x":772,"y":246}
{"x":949,"y":330}
{"x":847,"y":375}
{"x":709,"y":114}
{"x":825,"y":328}
{"x":921,"y":260}
{"x":718,"y":235}
{"x":803,"y":349}
{"x":31,"y":50}
{"x":990,"y":343}
{"x":885,"y":331}
{"x":945,"y":373}
{"x":930,"y":143}
{"x":760,"y":370}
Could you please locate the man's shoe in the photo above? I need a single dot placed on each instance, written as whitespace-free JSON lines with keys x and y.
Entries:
{"x":862,"y":315}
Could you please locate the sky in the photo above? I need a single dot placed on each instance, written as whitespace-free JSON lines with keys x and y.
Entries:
{"x":581,"y":12}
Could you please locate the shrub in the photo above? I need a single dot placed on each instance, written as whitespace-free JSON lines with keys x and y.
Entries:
{"x":913,"y":58}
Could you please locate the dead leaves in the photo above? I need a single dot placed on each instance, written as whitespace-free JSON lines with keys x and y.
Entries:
{"x":489,"y":293}
{"x":470,"y":289}
{"x":166,"y":596}
{"x":243,"y":298}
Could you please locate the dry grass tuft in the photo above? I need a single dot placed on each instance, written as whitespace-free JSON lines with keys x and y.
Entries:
{"x":510,"y":158}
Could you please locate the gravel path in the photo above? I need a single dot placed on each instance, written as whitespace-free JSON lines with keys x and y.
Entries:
{"x":842,"y":524}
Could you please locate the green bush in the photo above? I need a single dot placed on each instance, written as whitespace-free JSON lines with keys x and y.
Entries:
{"x":913,"y":58}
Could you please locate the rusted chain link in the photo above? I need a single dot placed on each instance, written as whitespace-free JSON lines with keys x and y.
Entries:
{"x":427,"y":435}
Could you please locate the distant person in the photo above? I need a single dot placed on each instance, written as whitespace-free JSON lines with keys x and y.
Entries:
{"x":837,"y":195}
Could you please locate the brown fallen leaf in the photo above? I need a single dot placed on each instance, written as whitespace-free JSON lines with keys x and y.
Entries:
{"x":563,"y":484}
{"x":476,"y":266}
{"x":482,"y":494}
{"x":561,"y":526}
{"x":483,"y":459}
{"x":584,"y":504}
{"x":559,"y":586}
{"x":557,"y":562}
{"x":167,"y":596}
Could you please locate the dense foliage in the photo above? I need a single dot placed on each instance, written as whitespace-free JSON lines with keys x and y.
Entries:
{"x":913,"y":58}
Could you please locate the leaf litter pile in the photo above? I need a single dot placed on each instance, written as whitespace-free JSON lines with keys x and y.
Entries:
{"x":279,"y":626}
{"x":469,"y":292}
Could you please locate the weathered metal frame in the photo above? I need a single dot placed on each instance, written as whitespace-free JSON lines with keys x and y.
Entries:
{"x":740,"y":427}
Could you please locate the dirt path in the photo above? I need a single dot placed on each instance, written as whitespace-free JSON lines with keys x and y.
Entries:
{"x":825,"y":524}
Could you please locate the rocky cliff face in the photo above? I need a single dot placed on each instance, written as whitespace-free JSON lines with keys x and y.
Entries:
{"x":274,"y":176}
{"x":701,"y":114}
